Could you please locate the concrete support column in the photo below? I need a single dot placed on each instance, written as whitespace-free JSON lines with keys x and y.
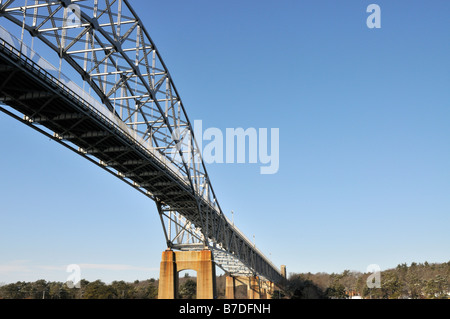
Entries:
{"x":283,"y":271}
{"x":270,"y":289}
{"x":206,"y":275}
{"x":230,"y":287}
{"x":167,"y":276}
{"x":255,"y":288}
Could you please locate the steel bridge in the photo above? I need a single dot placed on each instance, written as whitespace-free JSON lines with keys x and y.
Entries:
{"x":124,"y":115}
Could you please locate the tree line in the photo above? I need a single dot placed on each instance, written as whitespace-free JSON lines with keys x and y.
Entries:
{"x":146,"y":289}
{"x":42,"y":289}
{"x":416,"y":281}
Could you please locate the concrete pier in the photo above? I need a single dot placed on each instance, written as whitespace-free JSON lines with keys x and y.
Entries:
{"x":173,"y":262}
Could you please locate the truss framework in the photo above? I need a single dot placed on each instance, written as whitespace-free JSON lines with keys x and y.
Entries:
{"x":108,"y":45}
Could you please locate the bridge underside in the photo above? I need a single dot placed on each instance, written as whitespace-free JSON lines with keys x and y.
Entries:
{"x":49,"y":107}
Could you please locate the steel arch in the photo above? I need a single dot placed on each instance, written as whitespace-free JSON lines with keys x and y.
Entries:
{"x":113,"y":52}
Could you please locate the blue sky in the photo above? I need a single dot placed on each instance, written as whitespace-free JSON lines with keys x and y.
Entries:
{"x":364,"y":155}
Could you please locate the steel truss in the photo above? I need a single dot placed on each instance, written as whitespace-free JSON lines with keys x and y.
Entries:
{"x":106,"y":43}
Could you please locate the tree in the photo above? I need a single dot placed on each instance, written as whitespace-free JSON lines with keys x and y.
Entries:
{"x":56,"y":290}
{"x":122,"y":290}
{"x":303,"y":288}
{"x":437,"y":287}
{"x":39,"y":290}
{"x":145,"y":289}
{"x":278,"y":294}
{"x":98,"y":290}
{"x":188,"y":290}
{"x":391,"y":286}
{"x":14,"y":291}
{"x":146,"y":292}
{"x":413,"y":285}
{"x":336,"y":291}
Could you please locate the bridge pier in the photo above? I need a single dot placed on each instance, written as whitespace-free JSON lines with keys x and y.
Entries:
{"x":173,"y":262}
{"x":256,"y":289}
{"x":230,"y":287}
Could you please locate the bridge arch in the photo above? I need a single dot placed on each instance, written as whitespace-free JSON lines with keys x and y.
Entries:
{"x":113,"y":53}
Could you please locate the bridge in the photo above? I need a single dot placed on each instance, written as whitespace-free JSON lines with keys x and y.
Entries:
{"x":117,"y":106}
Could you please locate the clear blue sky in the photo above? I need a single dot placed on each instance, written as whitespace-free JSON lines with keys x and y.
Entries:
{"x":364,"y":143}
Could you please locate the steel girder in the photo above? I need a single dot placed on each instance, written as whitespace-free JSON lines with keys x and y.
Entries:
{"x":108,"y":45}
